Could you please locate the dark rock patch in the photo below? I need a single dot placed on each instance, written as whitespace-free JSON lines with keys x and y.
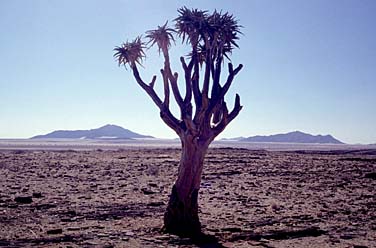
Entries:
{"x":23,"y":199}
{"x":37,"y":195}
{"x":55,"y":231}
{"x":371,"y":175}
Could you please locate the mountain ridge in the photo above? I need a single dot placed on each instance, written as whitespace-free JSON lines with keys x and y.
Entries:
{"x":111,"y":132}
{"x":108,"y":131}
{"x":294,"y":137}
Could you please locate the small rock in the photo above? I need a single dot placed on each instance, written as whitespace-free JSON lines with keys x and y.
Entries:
{"x":74,"y":228}
{"x":371,"y":175}
{"x":24,"y":199}
{"x":37,"y":195}
{"x":347,"y":236}
{"x":156,"y":204}
{"x":45,"y":206}
{"x":231,"y":229}
{"x":147,"y":191}
{"x":55,"y":231}
{"x":68,"y":219}
{"x":71,"y":212}
{"x":276,"y":207}
{"x":163,"y":237}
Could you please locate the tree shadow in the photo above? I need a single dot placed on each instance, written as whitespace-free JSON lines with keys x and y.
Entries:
{"x":204,"y":240}
{"x":201,"y":240}
{"x":279,"y":234}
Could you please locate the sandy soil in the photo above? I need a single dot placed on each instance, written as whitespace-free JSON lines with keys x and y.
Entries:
{"x":248,"y":198}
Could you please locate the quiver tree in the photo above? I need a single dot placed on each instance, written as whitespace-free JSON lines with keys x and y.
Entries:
{"x":203,"y":110}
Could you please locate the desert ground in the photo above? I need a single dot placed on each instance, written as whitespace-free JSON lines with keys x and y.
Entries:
{"x":248,"y":198}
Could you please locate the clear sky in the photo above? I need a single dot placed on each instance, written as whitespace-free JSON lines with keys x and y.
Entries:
{"x":308,"y":65}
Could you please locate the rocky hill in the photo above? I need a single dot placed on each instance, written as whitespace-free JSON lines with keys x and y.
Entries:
{"x":105,"y":132}
{"x":294,"y":137}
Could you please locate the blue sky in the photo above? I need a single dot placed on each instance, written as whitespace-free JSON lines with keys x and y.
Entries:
{"x":308,"y":66}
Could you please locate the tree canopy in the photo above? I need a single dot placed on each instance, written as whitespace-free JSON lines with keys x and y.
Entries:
{"x":211,"y":37}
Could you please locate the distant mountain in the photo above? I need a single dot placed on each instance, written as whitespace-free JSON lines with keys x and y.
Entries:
{"x":294,"y":137}
{"x":105,"y":132}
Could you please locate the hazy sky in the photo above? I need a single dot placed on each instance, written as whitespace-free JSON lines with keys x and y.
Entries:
{"x":308,"y":65}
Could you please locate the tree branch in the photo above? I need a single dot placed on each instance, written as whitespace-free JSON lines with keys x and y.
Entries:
{"x":172,"y":79}
{"x":165,"y":113}
{"x":175,"y":89}
{"x":216,"y":77}
{"x":148,"y":89}
{"x":188,"y":79}
{"x":216,"y":99}
{"x":227,"y":117}
{"x":208,"y":63}
{"x":216,"y":88}
{"x":230,"y":78}
{"x":166,"y":88}
{"x":151,"y":84}
{"x":195,"y":80}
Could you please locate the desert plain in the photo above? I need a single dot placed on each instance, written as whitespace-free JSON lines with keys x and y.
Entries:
{"x":248,"y":197}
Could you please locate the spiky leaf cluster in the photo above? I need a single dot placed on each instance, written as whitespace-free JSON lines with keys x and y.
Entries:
{"x":215,"y":33}
{"x":212,"y":36}
{"x":191,"y":24}
{"x":162,"y":36}
{"x":223,"y":32}
{"x":130,"y":52}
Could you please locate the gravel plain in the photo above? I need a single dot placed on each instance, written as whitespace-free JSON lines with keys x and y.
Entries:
{"x":248,"y":198}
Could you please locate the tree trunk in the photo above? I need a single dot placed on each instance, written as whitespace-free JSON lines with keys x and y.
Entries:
{"x":181,"y":216}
